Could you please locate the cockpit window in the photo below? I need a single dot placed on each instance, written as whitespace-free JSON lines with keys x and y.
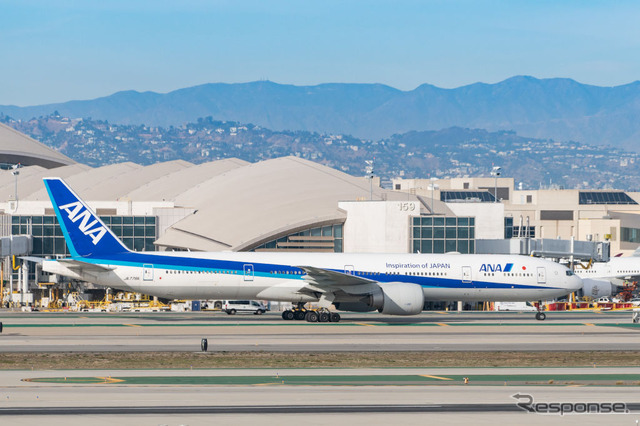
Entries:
{"x":569,"y":273}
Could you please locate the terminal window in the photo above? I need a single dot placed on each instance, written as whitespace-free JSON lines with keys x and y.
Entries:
{"x":442,"y":234}
{"x":524,"y":232}
{"x":511,"y":231}
{"x":326,"y":238}
{"x":630,"y":235}
{"x":136,"y":232}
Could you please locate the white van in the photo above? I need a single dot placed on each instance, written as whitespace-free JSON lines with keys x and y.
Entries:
{"x":233,"y":306}
{"x":514,"y":306}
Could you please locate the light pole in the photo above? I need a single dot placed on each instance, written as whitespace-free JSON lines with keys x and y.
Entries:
{"x":495,"y":172}
{"x":433,"y":186}
{"x":369,"y":175}
{"x":15,"y":172}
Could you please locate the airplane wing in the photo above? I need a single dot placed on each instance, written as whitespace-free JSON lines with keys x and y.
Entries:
{"x":327,"y":280}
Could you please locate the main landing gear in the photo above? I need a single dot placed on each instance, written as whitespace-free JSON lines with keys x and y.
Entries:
{"x":540,"y":316}
{"x":311,"y":315}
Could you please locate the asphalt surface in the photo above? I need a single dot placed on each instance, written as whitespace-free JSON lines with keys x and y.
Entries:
{"x":339,"y":396}
{"x":26,"y":401}
{"x":432,"y":331}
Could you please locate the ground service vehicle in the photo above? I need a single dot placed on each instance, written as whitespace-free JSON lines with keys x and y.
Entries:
{"x":232,"y":307}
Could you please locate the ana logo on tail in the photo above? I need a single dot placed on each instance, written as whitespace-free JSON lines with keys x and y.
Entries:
{"x":75,"y":212}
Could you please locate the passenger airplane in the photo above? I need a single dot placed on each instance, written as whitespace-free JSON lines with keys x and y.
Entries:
{"x":602,"y":278}
{"x":394,"y":284}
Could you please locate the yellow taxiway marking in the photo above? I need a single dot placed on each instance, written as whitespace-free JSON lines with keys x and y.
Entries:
{"x":132,"y":325}
{"x":109,"y":380}
{"x":435,"y":377}
{"x":443,"y":313}
{"x":364,"y":323}
{"x":589,"y":324}
{"x":441,"y":324}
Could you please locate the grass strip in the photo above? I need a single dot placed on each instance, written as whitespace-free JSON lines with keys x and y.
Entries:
{"x":260,"y":359}
{"x":359,"y":380}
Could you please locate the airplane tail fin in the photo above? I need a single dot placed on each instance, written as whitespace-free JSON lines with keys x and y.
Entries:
{"x":86,"y":235}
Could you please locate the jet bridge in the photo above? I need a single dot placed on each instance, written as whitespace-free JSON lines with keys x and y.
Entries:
{"x":10,"y":247}
{"x":547,"y":248}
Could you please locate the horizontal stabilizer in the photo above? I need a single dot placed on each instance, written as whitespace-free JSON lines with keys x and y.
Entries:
{"x":32,"y":259}
{"x":85,"y":266}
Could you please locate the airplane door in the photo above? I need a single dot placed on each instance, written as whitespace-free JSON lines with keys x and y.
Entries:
{"x":542,"y":275}
{"x":348,"y":269}
{"x":147,"y":272}
{"x":466,"y":274}
{"x":248,"y":272}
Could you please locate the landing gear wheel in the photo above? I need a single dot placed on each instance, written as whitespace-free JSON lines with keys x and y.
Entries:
{"x":323,"y":317}
{"x":299,"y":315}
{"x":334,"y":317}
{"x":311,"y":316}
{"x":287,"y":315}
{"x":540,"y":316}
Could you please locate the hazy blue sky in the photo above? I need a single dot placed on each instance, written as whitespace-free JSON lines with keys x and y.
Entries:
{"x":80,"y":49}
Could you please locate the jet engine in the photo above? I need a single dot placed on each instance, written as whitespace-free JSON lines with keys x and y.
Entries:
{"x":392,"y":299}
{"x":354,"y":306}
{"x":398,"y":299}
{"x":596,"y":288}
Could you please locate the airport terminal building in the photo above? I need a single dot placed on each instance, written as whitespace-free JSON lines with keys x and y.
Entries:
{"x":289,"y":204}
{"x":609,"y":216}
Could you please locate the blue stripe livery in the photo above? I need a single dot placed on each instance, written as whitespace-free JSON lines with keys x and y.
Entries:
{"x":89,"y":240}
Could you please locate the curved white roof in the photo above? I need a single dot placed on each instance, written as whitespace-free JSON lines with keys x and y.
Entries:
{"x":246,"y":206}
{"x":122,"y":181}
{"x":16,"y":147}
{"x":171,"y":185}
{"x":30,"y":180}
{"x":84,"y":182}
{"x":238,"y":205}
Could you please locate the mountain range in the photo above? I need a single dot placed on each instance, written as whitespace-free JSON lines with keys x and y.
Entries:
{"x":561,"y":109}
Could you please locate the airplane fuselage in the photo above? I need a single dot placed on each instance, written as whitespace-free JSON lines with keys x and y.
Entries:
{"x":616,"y":268}
{"x":394,"y":284}
{"x":279,"y":276}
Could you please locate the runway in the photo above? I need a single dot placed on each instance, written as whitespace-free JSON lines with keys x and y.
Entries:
{"x":266,"y":409}
{"x":335,"y":396}
{"x":24,"y":399}
{"x":431,"y":331}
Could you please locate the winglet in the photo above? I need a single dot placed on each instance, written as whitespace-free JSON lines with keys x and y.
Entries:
{"x":86,"y":235}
